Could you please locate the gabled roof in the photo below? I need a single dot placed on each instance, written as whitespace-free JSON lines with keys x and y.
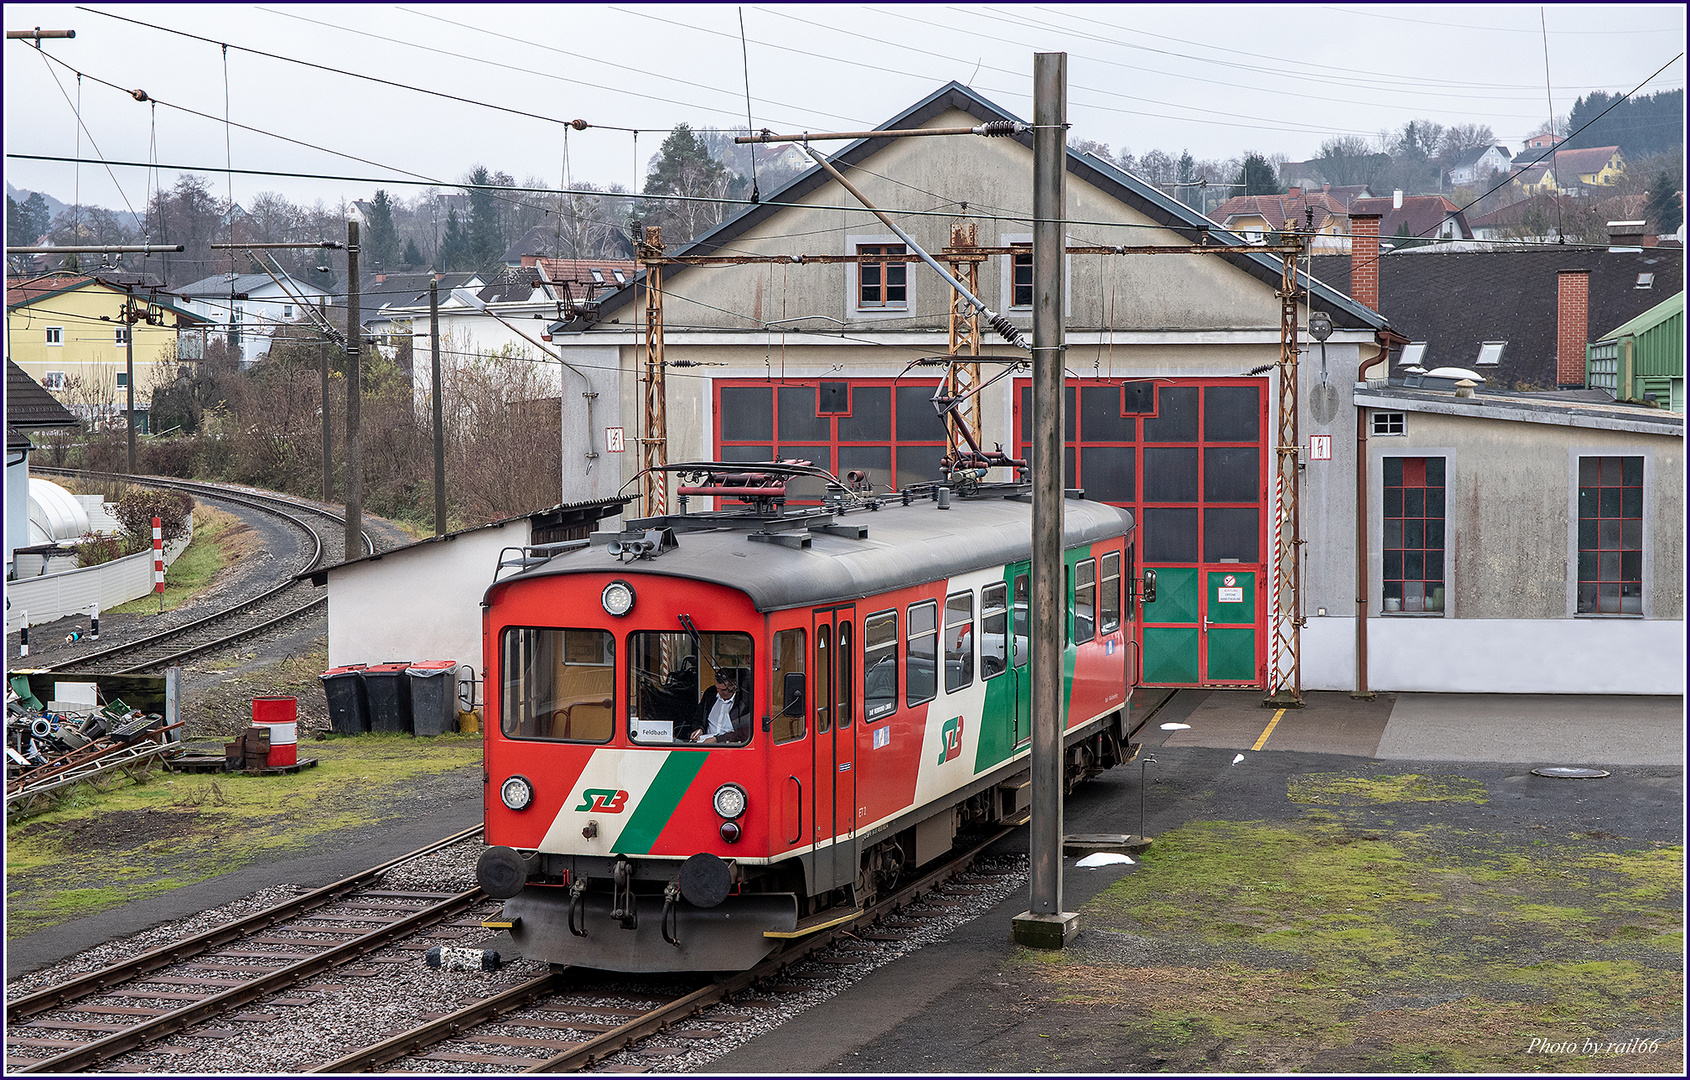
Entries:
{"x":221,"y":285}
{"x":21,"y":292}
{"x":1277,"y":209}
{"x":1423,"y":214}
{"x":1103,"y":175}
{"x":1570,"y":163}
{"x":1650,"y":319}
{"x":1473,"y":156}
{"x":29,"y":405}
{"x":1455,"y":302}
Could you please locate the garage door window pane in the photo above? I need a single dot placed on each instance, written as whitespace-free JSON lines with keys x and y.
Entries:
{"x":1107,"y":472}
{"x":798,"y":419}
{"x":1231,"y":533}
{"x":1170,"y":474}
{"x":871,"y":416}
{"x":1170,"y":534}
{"x":747,"y":413}
{"x":1232,"y":474}
{"x":1100,"y":415}
{"x":1176,"y":415}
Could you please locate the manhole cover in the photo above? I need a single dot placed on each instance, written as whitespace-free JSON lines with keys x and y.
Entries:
{"x":1565,"y":772}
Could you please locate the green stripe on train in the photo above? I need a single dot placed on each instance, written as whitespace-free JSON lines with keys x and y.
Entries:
{"x":661,"y":798}
{"x":997,"y":724}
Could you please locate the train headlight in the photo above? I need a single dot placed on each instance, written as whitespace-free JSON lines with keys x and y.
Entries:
{"x":517,"y":793}
{"x":618,"y":598}
{"x":730,"y":801}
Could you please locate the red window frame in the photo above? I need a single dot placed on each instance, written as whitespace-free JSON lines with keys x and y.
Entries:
{"x":1412,"y":550}
{"x":888,"y":276}
{"x":1610,"y":580}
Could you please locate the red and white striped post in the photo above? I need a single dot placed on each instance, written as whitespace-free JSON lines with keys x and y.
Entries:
{"x":158,"y":561}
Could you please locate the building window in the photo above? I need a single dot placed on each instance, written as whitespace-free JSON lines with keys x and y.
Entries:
{"x":1021,"y":276}
{"x":122,"y":335}
{"x":287,"y":311}
{"x":1645,"y":281}
{"x":122,"y":379}
{"x":1414,"y":534}
{"x":1491,"y":352}
{"x":621,"y":278}
{"x":1412,"y":354}
{"x":55,"y":335}
{"x":53,"y":380}
{"x":598,"y":275}
{"x":1610,"y":536}
{"x":881,"y":283}
{"x":1388,"y":423}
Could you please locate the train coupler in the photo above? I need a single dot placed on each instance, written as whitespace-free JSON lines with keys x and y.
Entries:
{"x":622,"y":906}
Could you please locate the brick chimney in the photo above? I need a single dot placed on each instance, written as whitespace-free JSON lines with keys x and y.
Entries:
{"x":1364,"y":259}
{"x":1572,"y":326}
{"x":1294,"y":193}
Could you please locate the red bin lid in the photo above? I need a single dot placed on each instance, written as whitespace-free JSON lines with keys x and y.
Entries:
{"x":346,"y":670}
{"x":433,"y":665}
{"x":387,"y":668}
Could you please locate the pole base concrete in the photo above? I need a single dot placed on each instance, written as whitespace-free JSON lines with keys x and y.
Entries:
{"x":1044,"y":931}
{"x":1282,"y":700}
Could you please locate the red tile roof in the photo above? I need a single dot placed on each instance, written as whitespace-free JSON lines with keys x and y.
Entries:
{"x":1277,"y":209}
{"x":1423,"y":214}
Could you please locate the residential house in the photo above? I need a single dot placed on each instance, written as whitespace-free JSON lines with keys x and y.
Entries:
{"x":29,"y":407}
{"x":1254,"y":216}
{"x":1419,"y":217}
{"x":1643,"y":360}
{"x":1543,"y":142}
{"x":1477,"y":164}
{"x":1569,"y":171}
{"x":67,"y":332}
{"x":1534,"y":218}
{"x":250,"y":309}
{"x":1518,"y":317}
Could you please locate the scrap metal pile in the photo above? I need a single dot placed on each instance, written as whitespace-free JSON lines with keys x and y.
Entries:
{"x":50,"y":750}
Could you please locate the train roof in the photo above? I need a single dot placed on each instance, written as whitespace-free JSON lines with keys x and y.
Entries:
{"x":904,"y":546}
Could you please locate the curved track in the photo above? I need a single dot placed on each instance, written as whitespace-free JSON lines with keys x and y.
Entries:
{"x":287,"y":600}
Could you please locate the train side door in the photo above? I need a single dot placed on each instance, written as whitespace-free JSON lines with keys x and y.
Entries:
{"x":833,"y":788}
{"x":1021,"y":653}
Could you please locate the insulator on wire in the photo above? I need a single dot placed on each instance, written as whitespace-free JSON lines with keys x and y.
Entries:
{"x":1008,"y":331}
{"x":999,"y":127}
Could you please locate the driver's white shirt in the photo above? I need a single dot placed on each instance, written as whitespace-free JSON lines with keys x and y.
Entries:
{"x":720,"y":720}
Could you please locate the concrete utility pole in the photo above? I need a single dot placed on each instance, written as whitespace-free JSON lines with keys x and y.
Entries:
{"x":328,"y":435}
{"x":1045,"y":925}
{"x":439,"y":410}
{"x":354,"y":396}
{"x":129,"y":362}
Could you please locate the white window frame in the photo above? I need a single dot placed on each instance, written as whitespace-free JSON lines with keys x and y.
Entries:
{"x":122,"y":380}
{"x":1491,"y":349}
{"x":53,"y":380}
{"x":1412,"y":354}
{"x":1006,"y":279}
{"x":853,"y":295}
{"x":120,"y":335}
{"x":56,"y":336}
{"x":287,"y":311}
{"x":1386,"y":420}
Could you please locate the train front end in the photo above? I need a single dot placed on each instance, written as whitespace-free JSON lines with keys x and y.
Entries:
{"x":626,"y":794}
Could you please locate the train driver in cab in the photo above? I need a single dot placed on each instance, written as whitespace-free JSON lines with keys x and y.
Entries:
{"x":724,"y":712}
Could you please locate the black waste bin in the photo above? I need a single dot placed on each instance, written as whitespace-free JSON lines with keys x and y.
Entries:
{"x":389,"y":692}
{"x":349,"y":707}
{"x":434,"y":696}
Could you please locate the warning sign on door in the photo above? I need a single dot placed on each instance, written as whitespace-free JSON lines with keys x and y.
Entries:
{"x":1230,"y":596}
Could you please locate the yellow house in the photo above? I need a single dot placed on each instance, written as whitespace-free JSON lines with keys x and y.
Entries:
{"x":68,"y":333}
{"x":1598,"y":166}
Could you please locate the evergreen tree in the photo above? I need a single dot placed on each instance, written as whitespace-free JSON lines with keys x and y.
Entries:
{"x":486,"y":246}
{"x":683,"y":166}
{"x":1664,"y":210}
{"x":1258,"y":176}
{"x":412,"y":255}
{"x":454,"y":245}
{"x":26,"y":221}
{"x":383,"y":242}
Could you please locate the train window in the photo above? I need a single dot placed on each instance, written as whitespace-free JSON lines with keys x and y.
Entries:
{"x":994,"y":629}
{"x":1109,"y":595}
{"x":1085,"y":600}
{"x":689,"y":689}
{"x":558,"y":684}
{"x":1132,"y":580}
{"x":880,"y":665}
{"x":921,"y":664}
{"x":788,"y":688}
{"x":1022,"y":636}
{"x":824,"y":667}
{"x":842,"y":685}
{"x":959,"y":641}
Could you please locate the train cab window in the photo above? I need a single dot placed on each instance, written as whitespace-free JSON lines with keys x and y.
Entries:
{"x":1109,"y":594}
{"x":880,"y":665}
{"x":786,"y":696}
{"x":959,"y":641}
{"x":558,"y":684}
{"x":1132,"y":580}
{"x":921,"y":664}
{"x":677,"y":681}
{"x":994,"y":629}
{"x":1085,"y":600}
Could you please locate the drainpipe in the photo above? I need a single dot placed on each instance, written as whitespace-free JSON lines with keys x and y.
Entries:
{"x":1386,"y":339}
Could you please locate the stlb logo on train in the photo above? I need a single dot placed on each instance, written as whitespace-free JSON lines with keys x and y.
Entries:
{"x":951,"y":735}
{"x":602,"y":801}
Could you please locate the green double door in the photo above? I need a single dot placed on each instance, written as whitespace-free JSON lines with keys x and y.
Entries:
{"x":1205,"y":627}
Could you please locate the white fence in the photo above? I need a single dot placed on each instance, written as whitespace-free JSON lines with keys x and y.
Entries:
{"x":73,"y":592}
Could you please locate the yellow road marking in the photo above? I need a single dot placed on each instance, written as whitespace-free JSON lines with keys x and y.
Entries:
{"x":1271,"y":725}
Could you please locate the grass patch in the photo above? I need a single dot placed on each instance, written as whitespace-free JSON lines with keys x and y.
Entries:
{"x":1345,"y":947}
{"x":219,"y":539}
{"x":176,"y":830}
{"x":1342,"y":789}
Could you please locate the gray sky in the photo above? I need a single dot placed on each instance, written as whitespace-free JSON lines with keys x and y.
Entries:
{"x":1218,"y":80}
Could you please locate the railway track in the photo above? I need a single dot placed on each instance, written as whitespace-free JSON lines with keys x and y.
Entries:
{"x":275,"y":606}
{"x":547,"y":1012}
{"x":215,"y":998}
{"x":209,"y":975}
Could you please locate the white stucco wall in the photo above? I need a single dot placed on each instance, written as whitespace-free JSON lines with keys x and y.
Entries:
{"x":420,"y":603}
